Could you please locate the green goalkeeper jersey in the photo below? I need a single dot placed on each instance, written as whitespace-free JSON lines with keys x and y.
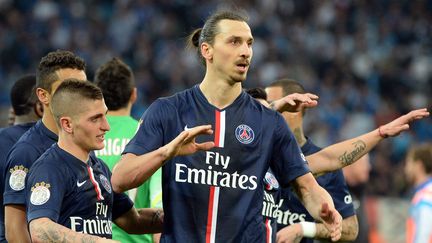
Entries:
{"x":149,"y":194}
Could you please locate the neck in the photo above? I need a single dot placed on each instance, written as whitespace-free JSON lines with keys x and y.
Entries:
{"x":220,"y":93}
{"x":48,"y":120}
{"x":65,"y":142}
{"x":295,"y":122}
{"x":121,"y":112}
{"x":25,"y":119}
{"x":422,"y":178}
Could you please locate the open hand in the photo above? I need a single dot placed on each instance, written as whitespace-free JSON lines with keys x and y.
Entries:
{"x":295,"y":102}
{"x":401,"y":123}
{"x":184,"y":143}
{"x":332,"y":220}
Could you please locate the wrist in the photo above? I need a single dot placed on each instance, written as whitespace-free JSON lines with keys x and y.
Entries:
{"x":380,"y":132}
{"x":309,"y":229}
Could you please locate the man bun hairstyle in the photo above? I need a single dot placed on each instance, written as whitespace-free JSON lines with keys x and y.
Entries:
{"x":210,"y":29}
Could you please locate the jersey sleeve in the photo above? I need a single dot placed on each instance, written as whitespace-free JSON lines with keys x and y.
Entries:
{"x":45,"y":190}
{"x":149,"y":135}
{"x":338,"y":190}
{"x":19,"y":161}
{"x":121,"y":204}
{"x":156,"y":189}
{"x":287,"y":161}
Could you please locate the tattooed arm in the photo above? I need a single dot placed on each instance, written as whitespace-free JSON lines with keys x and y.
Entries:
{"x":349,"y":230}
{"x":45,"y":230}
{"x":294,"y":232}
{"x":141,"y":221}
{"x":347,"y":152}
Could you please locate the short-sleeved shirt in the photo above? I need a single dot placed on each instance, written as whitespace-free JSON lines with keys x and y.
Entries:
{"x":74,"y":194}
{"x":419,"y":223}
{"x":149,"y":194}
{"x":23,"y":154}
{"x":290,"y":209}
{"x":8,"y":137}
{"x":216,"y":195}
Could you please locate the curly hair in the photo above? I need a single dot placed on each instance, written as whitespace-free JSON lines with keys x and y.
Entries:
{"x":52,"y":62}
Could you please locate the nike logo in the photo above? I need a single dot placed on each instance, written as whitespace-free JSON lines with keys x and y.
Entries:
{"x":186,"y":128}
{"x":79,"y":184}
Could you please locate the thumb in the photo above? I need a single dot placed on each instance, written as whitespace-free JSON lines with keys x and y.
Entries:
{"x":324,"y":210}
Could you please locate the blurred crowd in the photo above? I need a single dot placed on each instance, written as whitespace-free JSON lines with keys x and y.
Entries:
{"x":369,"y":61}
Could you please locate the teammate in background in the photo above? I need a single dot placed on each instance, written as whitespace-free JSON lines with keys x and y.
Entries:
{"x":69,"y":194}
{"x":53,"y":69}
{"x":117,"y":83}
{"x":356,"y":176}
{"x":28,"y":110}
{"x":418,"y":171}
{"x":215,"y":195}
{"x":328,"y":159}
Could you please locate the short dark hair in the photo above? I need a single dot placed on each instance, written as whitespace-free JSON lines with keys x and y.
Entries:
{"x":257,"y":93}
{"x":70,"y":91}
{"x":23,"y":95}
{"x":53,"y":61}
{"x":289,"y":86}
{"x":422,"y":153}
{"x":117,"y":82}
{"x":210,"y":29}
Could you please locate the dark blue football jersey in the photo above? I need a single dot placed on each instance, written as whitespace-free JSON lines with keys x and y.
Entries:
{"x":290,"y":209}
{"x":216,"y":195}
{"x":8,"y":137}
{"x":23,"y":154}
{"x":74,"y":194}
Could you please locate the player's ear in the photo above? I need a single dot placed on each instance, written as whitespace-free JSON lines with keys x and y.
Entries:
{"x":207,"y":51}
{"x":66,"y":124}
{"x":43,"y":96}
{"x":133,"y":96}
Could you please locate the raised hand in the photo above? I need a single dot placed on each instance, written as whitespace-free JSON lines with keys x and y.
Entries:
{"x":184,"y":143}
{"x":332,"y":220}
{"x":295,"y":102}
{"x":401,"y":123}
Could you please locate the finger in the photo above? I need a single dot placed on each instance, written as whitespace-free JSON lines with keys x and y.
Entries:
{"x":312,"y":96}
{"x":203,"y":129}
{"x":205,"y":145}
{"x":325,"y":208}
{"x":180,"y":138}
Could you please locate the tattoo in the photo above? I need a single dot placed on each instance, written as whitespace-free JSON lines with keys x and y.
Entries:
{"x":299,"y":136}
{"x":158,"y":217}
{"x":52,"y":233}
{"x":298,"y":237}
{"x":348,"y":158}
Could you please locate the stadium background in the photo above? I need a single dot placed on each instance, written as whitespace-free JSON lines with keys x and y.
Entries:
{"x":369,"y":61}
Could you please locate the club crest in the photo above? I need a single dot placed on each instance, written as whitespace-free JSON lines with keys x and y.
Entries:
{"x":40,"y":193}
{"x":105,"y":183}
{"x":271,"y":181}
{"x":17,"y":178}
{"x":244,"y":134}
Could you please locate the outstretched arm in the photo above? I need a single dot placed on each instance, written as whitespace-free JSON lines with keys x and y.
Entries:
{"x":319,"y":204}
{"x":45,"y":230}
{"x":133,"y":170}
{"x":141,"y":221}
{"x":339,"y":155}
